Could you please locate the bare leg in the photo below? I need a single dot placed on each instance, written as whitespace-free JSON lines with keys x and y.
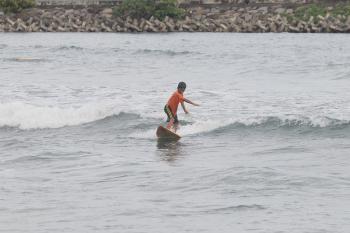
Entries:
{"x":170,"y":124}
{"x":176,"y":126}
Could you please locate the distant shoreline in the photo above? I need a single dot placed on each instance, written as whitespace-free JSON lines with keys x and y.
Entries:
{"x":224,"y":18}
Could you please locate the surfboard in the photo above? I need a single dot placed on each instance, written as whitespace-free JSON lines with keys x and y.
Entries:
{"x":164,"y":133}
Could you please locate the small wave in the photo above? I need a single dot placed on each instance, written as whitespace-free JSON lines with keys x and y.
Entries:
{"x":122,"y":118}
{"x":38,"y":46}
{"x":223,"y":126}
{"x":297,"y":122}
{"x":25,"y":59}
{"x":72,"y":47}
{"x":47,"y":156}
{"x":209,"y":93}
{"x":345,"y":75}
{"x":162,"y":52}
{"x":122,"y":115}
{"x":239,"y":208}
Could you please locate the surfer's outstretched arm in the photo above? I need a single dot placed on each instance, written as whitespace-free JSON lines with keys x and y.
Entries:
{"x":187,"y":101}
{"x":190,"y":102}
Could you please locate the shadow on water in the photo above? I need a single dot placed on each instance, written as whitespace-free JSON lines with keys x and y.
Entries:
{"x":169,"y":149}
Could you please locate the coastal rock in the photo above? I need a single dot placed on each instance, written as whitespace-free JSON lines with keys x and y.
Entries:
{"x":142,"y":24}
{"x":30,"y":21}
{"x":348,"y":21}
{"x":347,"y":29}
{"x":132,"y":27}
{"x":224,"y":27}
{"x":263,"y":10}
{"x":315,"y":29}
{"x":334,"y":28}
{"x":162,"y":27}
{"x":21,"y":27}
{"x":187,"y":28}
{"x":105,"y":28}
{"x":293,"y":29}
{"x":170,"y":26}
{"x":60,"y":29}
{"x":311,"y":20}
{"x":107,"y":12}
{"x":235,"y":28}
{"x":248,"y":17}
{"x":33,"y":27}
{"x":273,"y":27}
{"x":149,"y":27}
{"x":289,"y":11}
{"x":43,"y":27}
{"x":261,"y":26}
{"x":10,"y":21}
{"x":320,"y":17}
{"x":247,"y":27}
{"x":280,"y":10}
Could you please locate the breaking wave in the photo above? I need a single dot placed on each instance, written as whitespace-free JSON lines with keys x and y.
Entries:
{"x":27,"y":116}
{"x":268,"y":122}
{"x":222,"y":126}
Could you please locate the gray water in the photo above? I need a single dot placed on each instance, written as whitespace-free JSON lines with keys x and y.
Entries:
{"x":267,"y":150}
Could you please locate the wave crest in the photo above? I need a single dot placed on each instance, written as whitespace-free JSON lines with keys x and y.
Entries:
{"x":27,"y":116}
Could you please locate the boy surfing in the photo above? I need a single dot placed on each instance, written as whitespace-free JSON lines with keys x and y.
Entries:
{"x":171,"y":107}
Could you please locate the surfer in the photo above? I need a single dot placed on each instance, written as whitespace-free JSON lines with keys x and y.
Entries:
{"x":171,"y":107}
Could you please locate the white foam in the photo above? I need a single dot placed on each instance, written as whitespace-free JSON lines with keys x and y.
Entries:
{"x":202,"y":127}
{"x":27,"y":116}
{"x":148,"y":134}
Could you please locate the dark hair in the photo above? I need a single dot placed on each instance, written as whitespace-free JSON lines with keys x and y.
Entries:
{"x":181,"y":85}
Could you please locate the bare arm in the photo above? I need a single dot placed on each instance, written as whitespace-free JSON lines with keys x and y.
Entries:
{"x":187,"y":101}
{"x":184,"y":108}
{"x":190,"y":102}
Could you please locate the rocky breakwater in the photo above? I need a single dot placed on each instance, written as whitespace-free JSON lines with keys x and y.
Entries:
{"x":235,"y":19}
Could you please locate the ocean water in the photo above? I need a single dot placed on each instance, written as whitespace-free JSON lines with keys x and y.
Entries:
{"x":267,"y":150}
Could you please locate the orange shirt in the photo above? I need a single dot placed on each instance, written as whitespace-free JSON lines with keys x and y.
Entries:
{"x":174,"y":101}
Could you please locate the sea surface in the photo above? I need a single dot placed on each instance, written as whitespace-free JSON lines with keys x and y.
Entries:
{"x":267,"y":150}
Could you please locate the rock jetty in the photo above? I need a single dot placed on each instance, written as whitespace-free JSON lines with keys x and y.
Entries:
{"x":235,"y":19}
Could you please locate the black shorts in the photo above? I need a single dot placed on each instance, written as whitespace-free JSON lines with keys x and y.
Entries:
{"x":170,"y":114}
